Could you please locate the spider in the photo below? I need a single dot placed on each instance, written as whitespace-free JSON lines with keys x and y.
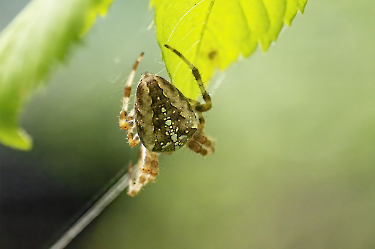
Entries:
{"x":165,"y":121}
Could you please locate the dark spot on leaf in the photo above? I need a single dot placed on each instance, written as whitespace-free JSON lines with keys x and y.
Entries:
{"x":212,"y":54}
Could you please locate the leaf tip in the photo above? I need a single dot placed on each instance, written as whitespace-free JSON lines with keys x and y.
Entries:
{"x":16,"y":139}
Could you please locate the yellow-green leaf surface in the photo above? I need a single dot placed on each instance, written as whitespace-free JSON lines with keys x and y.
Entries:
{"x":36,"y":39}
{"x":213,"y":34}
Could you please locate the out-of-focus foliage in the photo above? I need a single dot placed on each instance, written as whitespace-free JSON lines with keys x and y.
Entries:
{"x":39,"y":37}
{"x":213,"y":34}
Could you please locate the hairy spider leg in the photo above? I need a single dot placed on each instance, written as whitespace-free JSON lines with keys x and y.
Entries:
{"x":206,"y":97}
{"x":201,"y":143}
{"x":202,"y":121}
{"x":148,"y":170}
{"x":200,"y":139}
{"x":127,"y":121}
{"x":133,"y":140}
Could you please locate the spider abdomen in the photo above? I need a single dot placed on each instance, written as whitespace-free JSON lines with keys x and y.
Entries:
{"x":164,"y":118}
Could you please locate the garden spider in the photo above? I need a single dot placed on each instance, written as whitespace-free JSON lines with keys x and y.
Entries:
{"x":165,"y":121}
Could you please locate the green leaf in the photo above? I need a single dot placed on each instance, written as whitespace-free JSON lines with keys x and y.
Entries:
{"x":213,"y":34}
{"x":37,"y":39}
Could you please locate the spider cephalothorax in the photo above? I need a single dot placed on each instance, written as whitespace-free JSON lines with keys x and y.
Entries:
{"x":165,"y":121}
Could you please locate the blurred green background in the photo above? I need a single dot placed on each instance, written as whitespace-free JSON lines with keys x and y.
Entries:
{"x":294,"y":165}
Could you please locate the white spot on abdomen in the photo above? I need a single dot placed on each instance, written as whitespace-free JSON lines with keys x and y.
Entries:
{"x":174,"y":137}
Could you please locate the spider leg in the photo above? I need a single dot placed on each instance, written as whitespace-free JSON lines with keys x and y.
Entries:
{"x":130,"y":171}
{"x":201,"y":143}
{"x":124,"y":122}
{"x":206,"y":97}
{"x":132,"y":139}
{"x":200,"y":139}
{"x":202,"y":121}
{"x":148,"y":169}
{"x":127,"y":121}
